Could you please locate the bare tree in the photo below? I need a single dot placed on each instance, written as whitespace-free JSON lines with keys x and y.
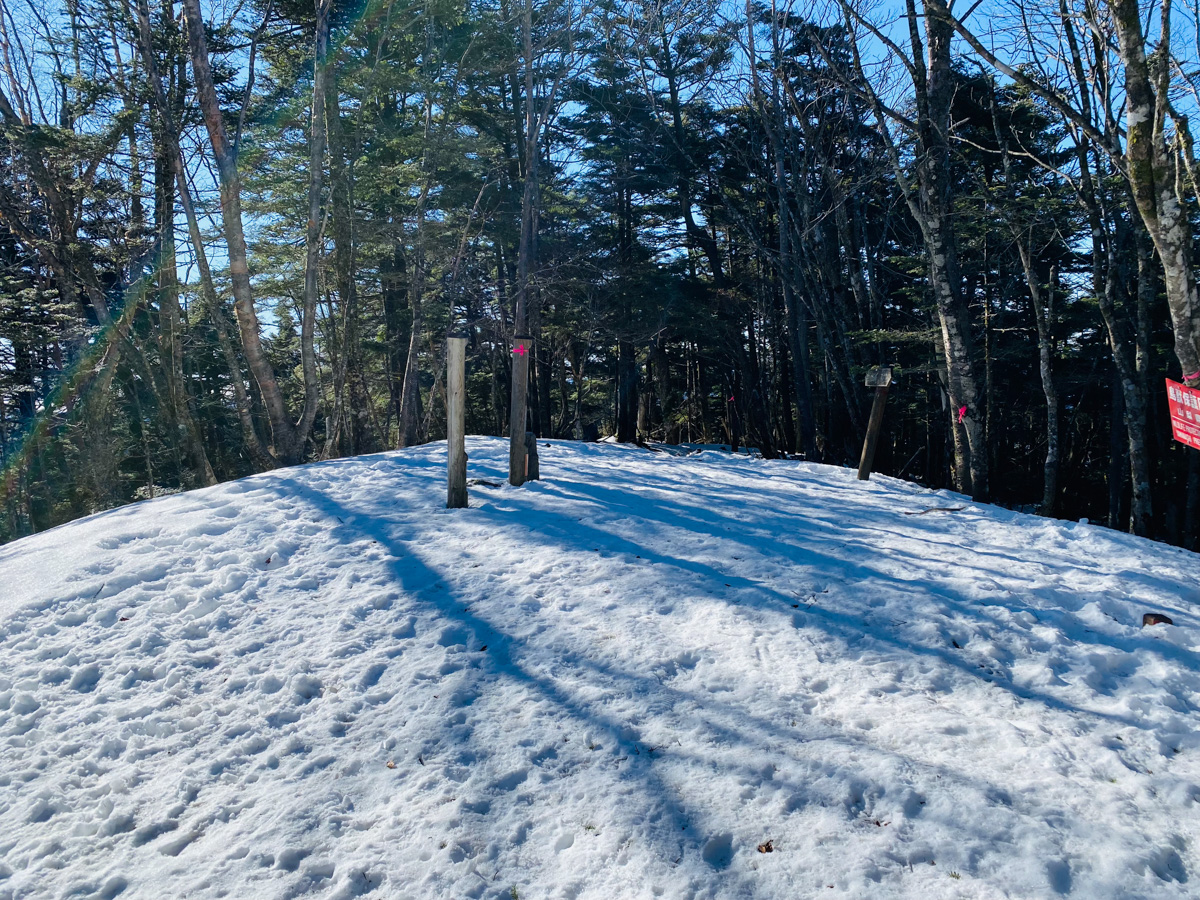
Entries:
{"x":1155,"y":158}
{"x":287,"y":438}
{"x":1152,"y":161}
{"x":773,"y":114}
{"x":929,"y":196}
{"x":168,"y":133}
{"x":553,"y":52}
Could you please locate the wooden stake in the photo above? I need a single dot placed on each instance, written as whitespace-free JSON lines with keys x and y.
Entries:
{"x":456,"y":423}
{"x":873,"y":428}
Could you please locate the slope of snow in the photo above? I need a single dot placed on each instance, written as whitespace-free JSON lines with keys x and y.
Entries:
{"x":615,"y":683}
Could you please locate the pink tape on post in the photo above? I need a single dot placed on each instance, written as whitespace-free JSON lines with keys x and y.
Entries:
{"x":1191,"y":377}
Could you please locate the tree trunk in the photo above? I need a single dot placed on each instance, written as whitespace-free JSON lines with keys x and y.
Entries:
{"x":1117,"y":467}
{"x":682,"y":164}
{"x":627,"y":392}
{"x":931,"y":206}
{"x":169,"y":320}
{"x":1152,"y":168}
{"x":288,"y":445}
{"x":394,"y":287}
{"x":1191,"y":524}
{"x":662,"y":381}
{"x":313,"y":233}
{"x":578,"y":357}
{"x":351,"y":399}
{"x":410,"y":393}
{"x":1105,"y":285}
{"x":168,"y":123}
{"x":1043,"y":310}
{"x":530,"y":201}
{"x":1141,"y":508}
{"x":934,"y":97}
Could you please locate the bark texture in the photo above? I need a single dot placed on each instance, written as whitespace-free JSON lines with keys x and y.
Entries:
{"x":288,"y":444}
{"x":1153,"y":164}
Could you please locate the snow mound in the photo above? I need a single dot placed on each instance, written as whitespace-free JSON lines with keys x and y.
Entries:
{"x":645,"y":676}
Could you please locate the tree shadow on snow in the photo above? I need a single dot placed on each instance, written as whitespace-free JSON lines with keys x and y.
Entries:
{"x":680,"y":829}
{"x":839,"y":557}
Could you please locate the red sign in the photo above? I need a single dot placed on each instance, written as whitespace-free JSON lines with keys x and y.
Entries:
{"x":1185,"y":413}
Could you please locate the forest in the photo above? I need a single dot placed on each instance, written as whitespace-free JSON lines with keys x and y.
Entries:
{"x":235,"y":234}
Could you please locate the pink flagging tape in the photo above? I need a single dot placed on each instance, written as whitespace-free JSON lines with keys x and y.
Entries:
{"x":1191,"y":377}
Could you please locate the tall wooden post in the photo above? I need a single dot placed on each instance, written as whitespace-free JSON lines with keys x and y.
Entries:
{"x":456,"y":422}
{"x":879,"y":377}
{"x":521,"y":348}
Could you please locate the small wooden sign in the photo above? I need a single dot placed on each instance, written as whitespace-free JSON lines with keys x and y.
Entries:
{"x":1184,"y":403}
{"x":879,"y":376}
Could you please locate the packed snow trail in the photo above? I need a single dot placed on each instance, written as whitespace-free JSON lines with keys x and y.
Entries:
{"x":617,"y":682}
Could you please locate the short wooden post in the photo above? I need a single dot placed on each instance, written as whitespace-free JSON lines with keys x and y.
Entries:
{"x":879,"y":377}
{"x":456,"y":422}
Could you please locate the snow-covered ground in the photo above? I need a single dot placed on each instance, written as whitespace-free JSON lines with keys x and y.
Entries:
{"x":616,"y":683}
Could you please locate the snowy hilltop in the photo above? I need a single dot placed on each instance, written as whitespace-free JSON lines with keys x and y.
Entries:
{"x":645,"y":676}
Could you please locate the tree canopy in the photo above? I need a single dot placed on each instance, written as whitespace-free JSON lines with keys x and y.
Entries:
{"x":234,"y":237}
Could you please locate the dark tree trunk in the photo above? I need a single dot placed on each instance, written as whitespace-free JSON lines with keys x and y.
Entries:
{"x":935,"y":93}
{"x":168,"y":123}
{"x":1191,"y":526}
{"x":346,"y":432}
{"x":1153,"y":161}
{"x":1043,"y":310}
{"x":170,"y":321}
{"x":1117,"y":467}
{"x":410,"y":391}
{"x":526,"y":252}
{"x":394,"y":284}
{"x":313,"y":232}
{"x":627,"y":392}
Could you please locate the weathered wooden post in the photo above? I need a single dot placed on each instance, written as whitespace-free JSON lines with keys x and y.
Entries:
{"x":522,"y":347}
{"x":878,"y":377}
{"x":456,"y":421}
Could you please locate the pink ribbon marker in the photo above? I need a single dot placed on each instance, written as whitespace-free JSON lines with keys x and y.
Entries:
{"x":1191,"y":377}
{"x":962,"y":413}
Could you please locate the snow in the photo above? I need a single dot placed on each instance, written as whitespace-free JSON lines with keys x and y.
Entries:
{"x":617,"y":682}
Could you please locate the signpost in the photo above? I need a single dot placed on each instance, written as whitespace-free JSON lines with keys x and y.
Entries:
{"x":456,"y":417}
{"x":880,"y":378}
{"x":1184,"y":403}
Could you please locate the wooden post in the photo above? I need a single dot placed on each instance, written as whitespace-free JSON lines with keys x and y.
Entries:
{"x":879,"y":377}
{"x":521,"y":348}
{"x":456,"y":419}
